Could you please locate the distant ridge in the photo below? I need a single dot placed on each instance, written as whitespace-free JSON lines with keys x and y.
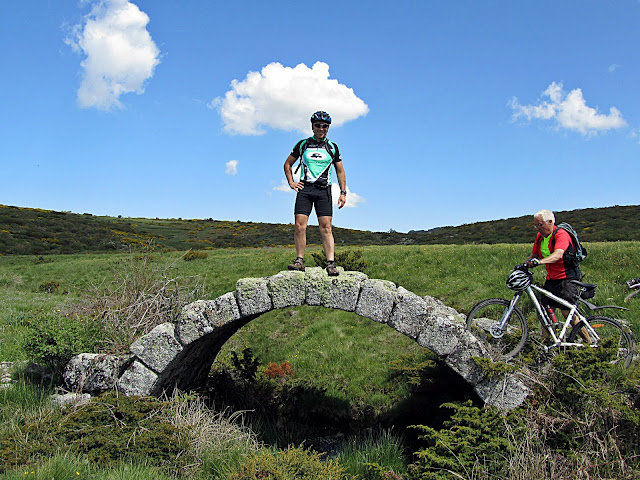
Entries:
{"x":32,"y":231}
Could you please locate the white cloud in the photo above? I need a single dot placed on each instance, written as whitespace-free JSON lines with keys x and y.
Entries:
{"x":283,"y":187}
{"x":120,"y":54}
{"x":284,"y":98}
{"x":353,"y":199}
{"x":231,"y":167}
{"x":613,"y":67}
{"x":570,"y":111}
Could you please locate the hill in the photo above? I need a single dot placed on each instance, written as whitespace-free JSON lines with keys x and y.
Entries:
{"x":31,"y":231}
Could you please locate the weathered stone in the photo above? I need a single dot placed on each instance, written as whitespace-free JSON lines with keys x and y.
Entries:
{"x":138,"y":380}
{"x":181,"y":355}
{"x":340,"y":292}
{"x":253,"y":297}
{"x":461,"y":359}
{"x":377,"y":298}
{"x":64,"y":399}
{"x":505,"y":392}
{"x":287,"y":289}
{"x":92,"y":373}
{"x":441,"y":335}
{"x":203,"y":316}
{"x":438,"y":309}
{"x":158,"y":347}
{"x":410,"y":313}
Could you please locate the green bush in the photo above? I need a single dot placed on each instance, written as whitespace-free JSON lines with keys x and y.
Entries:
{"x":590,"y":412}
{"x":53,"y":339}
{"x":195,"y":255}
{"x":290,"y":464}
{"x":474,"y":443}
{"x":109,"y":429}
{"x":350,"y":260}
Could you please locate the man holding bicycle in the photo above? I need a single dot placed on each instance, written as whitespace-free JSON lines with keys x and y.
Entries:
{"x":554,"y":249}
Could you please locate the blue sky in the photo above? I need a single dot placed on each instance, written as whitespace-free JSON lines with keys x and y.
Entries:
{"x":445,"y":112}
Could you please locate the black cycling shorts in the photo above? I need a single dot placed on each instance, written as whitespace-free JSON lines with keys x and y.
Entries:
{"x":314,"y":195}
{"x":564,"y":289}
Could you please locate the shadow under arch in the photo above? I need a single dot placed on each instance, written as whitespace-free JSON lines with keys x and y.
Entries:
{"x":180,"y":354}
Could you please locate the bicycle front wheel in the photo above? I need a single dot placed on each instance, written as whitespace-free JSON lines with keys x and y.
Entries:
{"x":613,"y":339}
{"x":483,"y":322}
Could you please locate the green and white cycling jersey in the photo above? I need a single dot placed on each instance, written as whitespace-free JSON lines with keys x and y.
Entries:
{"x":317,"y":158}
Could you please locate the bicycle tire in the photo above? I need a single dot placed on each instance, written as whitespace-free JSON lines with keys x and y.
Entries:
{"x":632,"y":294}
{"x":487,"y":314}
{"x":612,"y":335}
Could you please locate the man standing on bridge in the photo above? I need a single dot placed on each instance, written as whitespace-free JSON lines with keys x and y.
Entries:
{"x":317,"y":155}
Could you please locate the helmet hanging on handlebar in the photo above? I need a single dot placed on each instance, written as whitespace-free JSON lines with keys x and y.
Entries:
{"x":519,"y":280}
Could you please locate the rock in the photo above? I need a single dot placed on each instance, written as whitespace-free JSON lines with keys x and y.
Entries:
{"x":70,"y":399}
{"x":93,"y":373}
{"x":158,"y":348}
{"x":253,"y":297}
{"x":377,"y":299}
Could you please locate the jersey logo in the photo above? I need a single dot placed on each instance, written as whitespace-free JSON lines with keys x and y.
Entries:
{"x":316,"y":155}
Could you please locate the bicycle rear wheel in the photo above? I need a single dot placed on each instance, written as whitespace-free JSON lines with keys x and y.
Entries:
{"x":632,"y":294}
{"x":613,"y":338}
{"x":483,"y":322}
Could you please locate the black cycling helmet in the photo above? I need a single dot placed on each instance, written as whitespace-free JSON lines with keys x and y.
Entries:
{"x":321,"y":116}
{"x":519,"y":280}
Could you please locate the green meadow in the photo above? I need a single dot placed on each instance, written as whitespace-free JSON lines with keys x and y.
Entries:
{"x":351,"y":380}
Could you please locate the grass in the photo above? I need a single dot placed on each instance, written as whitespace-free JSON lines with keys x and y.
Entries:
{"x":349,"y":356}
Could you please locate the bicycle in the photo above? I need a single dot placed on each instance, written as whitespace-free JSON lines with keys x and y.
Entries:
{"x":633,"y":284}
{"x":502,"y":326}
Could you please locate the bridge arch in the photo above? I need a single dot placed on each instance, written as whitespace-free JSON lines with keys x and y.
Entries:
{"x":180,"y":354}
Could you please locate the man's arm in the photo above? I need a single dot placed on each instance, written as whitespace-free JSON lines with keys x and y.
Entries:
{"x":342,"y":181}
{"x":288,"y":163}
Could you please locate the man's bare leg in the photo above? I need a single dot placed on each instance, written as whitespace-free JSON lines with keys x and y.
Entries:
{"x":326,"y":234}
{"x":300,"y":234}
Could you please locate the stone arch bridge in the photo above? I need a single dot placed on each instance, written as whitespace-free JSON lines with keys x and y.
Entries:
{"x":180,"y":354}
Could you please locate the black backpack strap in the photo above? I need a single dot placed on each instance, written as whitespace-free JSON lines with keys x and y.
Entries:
{"x":333,"y":154}
{"x":303,"y":147}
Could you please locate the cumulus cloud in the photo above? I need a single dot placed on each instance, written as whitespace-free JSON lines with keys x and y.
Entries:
{"x":120,"y":54}
{"x":353,"y":199}
{"x":570,"y":111}
{"x":284,"y":98}
{"x":231,"y":167}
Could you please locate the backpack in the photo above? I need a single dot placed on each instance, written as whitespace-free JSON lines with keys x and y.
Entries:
{"x":331,"y":148}
{"x":580,"y":250}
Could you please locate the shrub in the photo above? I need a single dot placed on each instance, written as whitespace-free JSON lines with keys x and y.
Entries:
{"x":283,"y":370}
{"x":53,"y":339}
{"x":195,"y":255}
{"x":219,"y":442}
{"x":109,"y":429}
{"x":473,"y":444}
{"x":294,"y":463}
{"x":140,"y":298}
{"x":350,"y":260}
{"x":588,"y":413}
{"x":49,"y":287}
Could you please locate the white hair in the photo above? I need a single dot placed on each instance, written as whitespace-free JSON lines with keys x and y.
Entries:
{"x":546,"y":215}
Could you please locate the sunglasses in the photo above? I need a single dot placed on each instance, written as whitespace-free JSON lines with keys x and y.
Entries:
{"x":321,"y":125}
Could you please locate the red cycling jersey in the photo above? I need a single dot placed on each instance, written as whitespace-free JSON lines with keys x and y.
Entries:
{"x":563,"y":268}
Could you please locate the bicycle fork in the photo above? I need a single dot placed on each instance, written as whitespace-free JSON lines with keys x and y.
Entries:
{"x":502,"y":325}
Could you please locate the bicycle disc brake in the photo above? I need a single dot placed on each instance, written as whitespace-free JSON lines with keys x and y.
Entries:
{"x":496,"y":331}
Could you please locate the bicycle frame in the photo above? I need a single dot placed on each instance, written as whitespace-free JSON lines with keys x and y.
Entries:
{"x":558,"y":340}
